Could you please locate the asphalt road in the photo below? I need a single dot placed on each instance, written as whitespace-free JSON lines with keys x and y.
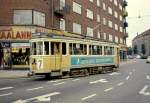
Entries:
{"x":131,"y":84}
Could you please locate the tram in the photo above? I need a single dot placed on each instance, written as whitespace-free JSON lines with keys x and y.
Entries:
{"x":59,"y":55}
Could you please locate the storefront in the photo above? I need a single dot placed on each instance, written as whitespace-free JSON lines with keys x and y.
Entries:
{"x":15,"y":47}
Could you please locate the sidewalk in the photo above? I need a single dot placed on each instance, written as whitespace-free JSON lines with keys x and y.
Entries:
{"x":12,"y":74}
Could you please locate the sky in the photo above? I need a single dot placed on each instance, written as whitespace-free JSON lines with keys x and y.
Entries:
{"x":137,"y":8}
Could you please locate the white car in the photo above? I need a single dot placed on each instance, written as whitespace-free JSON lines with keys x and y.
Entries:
{"x":148,"y":59}
{"x":138,"y":57}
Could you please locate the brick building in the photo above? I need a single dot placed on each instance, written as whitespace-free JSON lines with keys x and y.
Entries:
{"x":100,"y":19}
{"x":141,"y":44}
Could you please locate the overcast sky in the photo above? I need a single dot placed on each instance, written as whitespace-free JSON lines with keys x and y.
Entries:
{"x":138,"y":25}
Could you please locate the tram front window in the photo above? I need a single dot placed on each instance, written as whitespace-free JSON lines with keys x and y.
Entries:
{"x":46,"y":48}
{"x":39,"y":48}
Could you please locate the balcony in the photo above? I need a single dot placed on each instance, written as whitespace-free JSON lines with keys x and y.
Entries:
{"x":61,"y":9}
{"x":125,"y":3}
{"x":125,"y":13}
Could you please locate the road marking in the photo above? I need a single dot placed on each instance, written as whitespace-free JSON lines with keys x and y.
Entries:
{"x":121,"y":83}
{"x":143,"y":91}
{"x":130,"y":73}
{"x":97,"y":81}
{"x":115,"y":73}
{"x":59,"y":83}
{"x":42,"y":98}
{"x":76,"y":80}
{"x":6,"y":94}
{"x":34,"y":88}
{"x":88,"y":97}
{"x":109,"y":89}
{"x":6,"y":88}
{"x":127,"y":78}
{"x":148,"y":77}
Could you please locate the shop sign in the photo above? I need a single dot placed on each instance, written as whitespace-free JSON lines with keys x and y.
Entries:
{"x":15,"y":35}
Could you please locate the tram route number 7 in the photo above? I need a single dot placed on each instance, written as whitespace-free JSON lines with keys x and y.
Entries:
{"x":40,"y":64}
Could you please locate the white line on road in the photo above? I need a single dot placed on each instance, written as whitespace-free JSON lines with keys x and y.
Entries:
{"x":115,"y":73}
{"x":148,"y":77}
{"x":59,"y":83}
{"x":6,"y":94}
{"x":6,"y":88}
{"x":76,"y":80}
{"x":143,"y":91}
{"x":121,"y":83}
{"x":88,"y":97}
{"x":97,"y":81}
{"x":127,"y":78}
{"x":34,"y":88}
{"x":38,"y":99}
{"x":109,"y":89}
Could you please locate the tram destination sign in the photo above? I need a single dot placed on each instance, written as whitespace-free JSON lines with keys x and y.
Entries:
{"x":4,"y":35}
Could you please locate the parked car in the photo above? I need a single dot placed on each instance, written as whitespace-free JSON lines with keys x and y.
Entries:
{"x":144,"y":57}
{"x":130,"y":57}
{"x":138,"y":57}
{"x":148,"y":59}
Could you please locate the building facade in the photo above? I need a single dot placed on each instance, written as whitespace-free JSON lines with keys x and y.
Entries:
{"x":141,"y":44}
{"x":104,"y":20}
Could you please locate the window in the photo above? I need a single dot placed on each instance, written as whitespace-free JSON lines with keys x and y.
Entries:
{"x":121,"y":40}
{"x":108,"y":50}
{"x":116,"y":39}
{"x":105,"y":36}
{"x":116,"y":2}
{"x":104,"y":6}
{"x":89,"y":31}
{"x":46,"y":48}
{"x":89,"y":14}
{"x":22,"y":17}
{"x":39,"y":18}
{"x":110,"y":24}
{"x":116,"y":14}
{"x":98,"y":18}
{"x":120,"y":17}
{"x":116,"y":27}
{"x":120,"y":6}
{"x":98,"y":35}
{"x":91,"y":0}
{"x":95,"y":50}
{"x":77,"y":49}
{"x":110,"y":37}
{"x":62,"y":4}
{"x":62,"y":24}
{"x":39,"y":48}
{"x":104,"y":21}
{"x":77,"y":8}
{"x":76,"y":28}
{"x":110,"y":10}
{"x":121,"y":29}
{"x":98,"y":2}
{"x":34,"y":51}
{"x":64,"y":48}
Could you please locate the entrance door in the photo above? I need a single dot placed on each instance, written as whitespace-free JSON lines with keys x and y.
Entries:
{"x":57,"y":54}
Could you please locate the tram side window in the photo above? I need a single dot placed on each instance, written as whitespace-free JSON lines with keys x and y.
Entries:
{"x":99,"y":50}
{"x":39,"y":48}
{"x":46,"y":48}
{"x":108,"y":50}
{"x":52,"y":48}
{"x":63,"y":48}
{"x":77,"y":49}
{"x":33,"y":48}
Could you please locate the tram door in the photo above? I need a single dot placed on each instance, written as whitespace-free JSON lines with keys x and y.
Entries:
{"x":57,"y":54}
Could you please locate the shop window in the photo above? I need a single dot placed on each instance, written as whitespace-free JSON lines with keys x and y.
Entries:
{"x":46,"y":48}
